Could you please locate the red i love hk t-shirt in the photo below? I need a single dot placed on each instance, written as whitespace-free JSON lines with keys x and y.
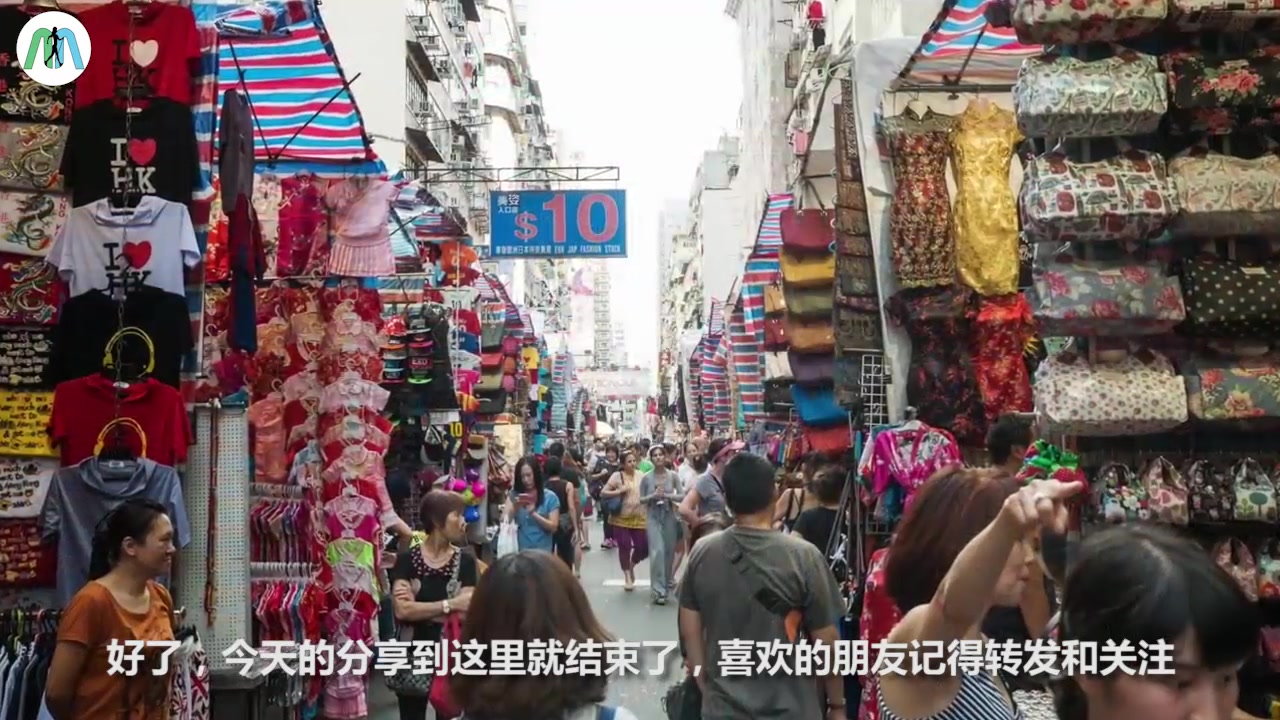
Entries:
{"x":163,"y":47}
{"x":83,"y":407}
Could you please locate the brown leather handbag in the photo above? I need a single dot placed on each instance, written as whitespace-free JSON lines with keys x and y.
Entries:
{"x":815,"y":336}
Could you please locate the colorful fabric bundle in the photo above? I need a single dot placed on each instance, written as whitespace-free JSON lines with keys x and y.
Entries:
{"x":1046,"y":461}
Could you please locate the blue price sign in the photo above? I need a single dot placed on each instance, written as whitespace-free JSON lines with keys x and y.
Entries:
{"x":558,"y":224}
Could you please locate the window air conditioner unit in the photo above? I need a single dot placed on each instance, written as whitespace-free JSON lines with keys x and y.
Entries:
{"x":433,"y":42}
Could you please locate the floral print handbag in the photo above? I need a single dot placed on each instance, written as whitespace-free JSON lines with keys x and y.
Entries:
{"x":1269,"y":571}
{"x":1118,"y":495}
{"x":1223,"y":15}
{"x":1233,"y":556}
{"x":1166,"y":492}
{"x":1127,"y":197}
{"x":1220,"y":195}
{"x":1209,"y":493}
{"x":1054,"y":22}
{"x":1255,"y":493}
{"x":1083,"y":298}
{"x":1219,"y":92}
{"x":1215,"y":292}
{"x":1061,"y":96}
{"x":1236,"y":389}
{"x":1134,"y":396}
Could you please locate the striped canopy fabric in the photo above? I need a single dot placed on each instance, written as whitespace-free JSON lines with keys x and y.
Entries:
{"x":961,"y":33}
{"x":769,"y":234}
{"x":747,"y":359}
{"x":290,"y":72}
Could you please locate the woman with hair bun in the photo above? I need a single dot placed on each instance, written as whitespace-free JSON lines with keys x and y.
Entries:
{"x":132,"y":545}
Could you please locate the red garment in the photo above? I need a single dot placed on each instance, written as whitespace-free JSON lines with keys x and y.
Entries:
{"x":301,"y":224}
{"x":879,"y":616}
{"x":83,"y":407}
{"x":25,"y":560}
{"x":815,"y":13}
{"x":30,"y":291}
{"x":1000,"y":334}
{"x":165,"y":48}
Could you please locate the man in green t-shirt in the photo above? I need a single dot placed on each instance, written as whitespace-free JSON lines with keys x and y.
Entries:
{"x":643,"y":464}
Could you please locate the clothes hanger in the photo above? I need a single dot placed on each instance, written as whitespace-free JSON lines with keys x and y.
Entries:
{"x":916,"y":105}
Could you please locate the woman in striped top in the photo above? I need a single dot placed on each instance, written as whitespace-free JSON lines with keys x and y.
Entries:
{"x":961,"y":549}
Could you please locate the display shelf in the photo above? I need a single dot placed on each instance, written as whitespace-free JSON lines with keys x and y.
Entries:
{"x":232,"y":613}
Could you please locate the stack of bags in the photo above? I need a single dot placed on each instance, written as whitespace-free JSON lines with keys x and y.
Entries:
{"x":808,"y":266}
{"x":857,"y":303}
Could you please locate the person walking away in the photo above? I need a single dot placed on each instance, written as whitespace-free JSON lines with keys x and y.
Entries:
{"x":707,"y":494}
{"x":629,"y":523}
{"x":535,"y":511}
{"x":799,"y":495}
{"x":567,"y":497}
{"x":526,"y":598}
{"x":817,"y":524}
{"x":659,"y":491}
{"x":604,"y":469}
{"x":576,"y":485}
{"x":691,"y":697}
{"x":817,"y":23}
{"x":133,"y":544}
{"x":433,"y":581}
{"x":752,"y":583}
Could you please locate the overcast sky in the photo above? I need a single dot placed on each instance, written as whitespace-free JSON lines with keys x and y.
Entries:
{"x":647,"y":86}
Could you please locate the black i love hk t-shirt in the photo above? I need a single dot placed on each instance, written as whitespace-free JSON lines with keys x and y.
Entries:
{"x":159,"y":152}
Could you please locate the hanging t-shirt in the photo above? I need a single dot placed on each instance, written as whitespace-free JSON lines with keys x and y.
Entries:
{"x":83,"y":407}
{"x":88,"y":322}
{"x":159,"y":152}
{"x":158,"y":41}
{"x":22,"y":98}
{"x":100,"y":248}
{"x":79,"y":497}
{"x":235,"y":149}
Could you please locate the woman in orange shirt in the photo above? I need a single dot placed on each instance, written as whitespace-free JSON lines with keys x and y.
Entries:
{"x":132,"y":545}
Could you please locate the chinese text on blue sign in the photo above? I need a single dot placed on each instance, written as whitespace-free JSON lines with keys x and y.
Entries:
{"x":558,"y":224}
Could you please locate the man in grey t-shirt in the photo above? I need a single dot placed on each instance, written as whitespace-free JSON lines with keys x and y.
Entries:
{"x":707,"y":494}
{"x":752,"y":583}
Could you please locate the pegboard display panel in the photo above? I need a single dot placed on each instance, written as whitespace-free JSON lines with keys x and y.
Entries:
{"x":232,"y":612}
{"x":875,"y":395}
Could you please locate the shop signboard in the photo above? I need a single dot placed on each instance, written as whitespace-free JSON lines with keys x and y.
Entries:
{"x":623,"y":384}
{"x":558,"y":224}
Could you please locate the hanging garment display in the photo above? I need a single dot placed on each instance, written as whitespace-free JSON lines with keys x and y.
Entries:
{"x":153,"y":151}
{"x":101,"y":247}
{"x":920,"y":214}
{"x":1085,"y":298}
{"x":359,"y":210}
{"x":154,"y":44}
{"x":1228,"y":300}
{"x":1061,"y":96}
{"x":83,"y":493}
{"x":941,"y":382}
{"x":1126,"y":197}
{"x":30,"y":221}
{"x":1134,"y":395}
{"x":30,"y":291}
{"x":1045,"y":22}
{"x":907,"y":456}
{"x":1001,"y":331}
{"x":30,"y":154}
{"x":1222,"y":196}
{"x":1218,"y":93}
{"x":1234,"y":388}
{"x":985,"y":220}
{"x":82,"y":407}
{"x":88,"y":322}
